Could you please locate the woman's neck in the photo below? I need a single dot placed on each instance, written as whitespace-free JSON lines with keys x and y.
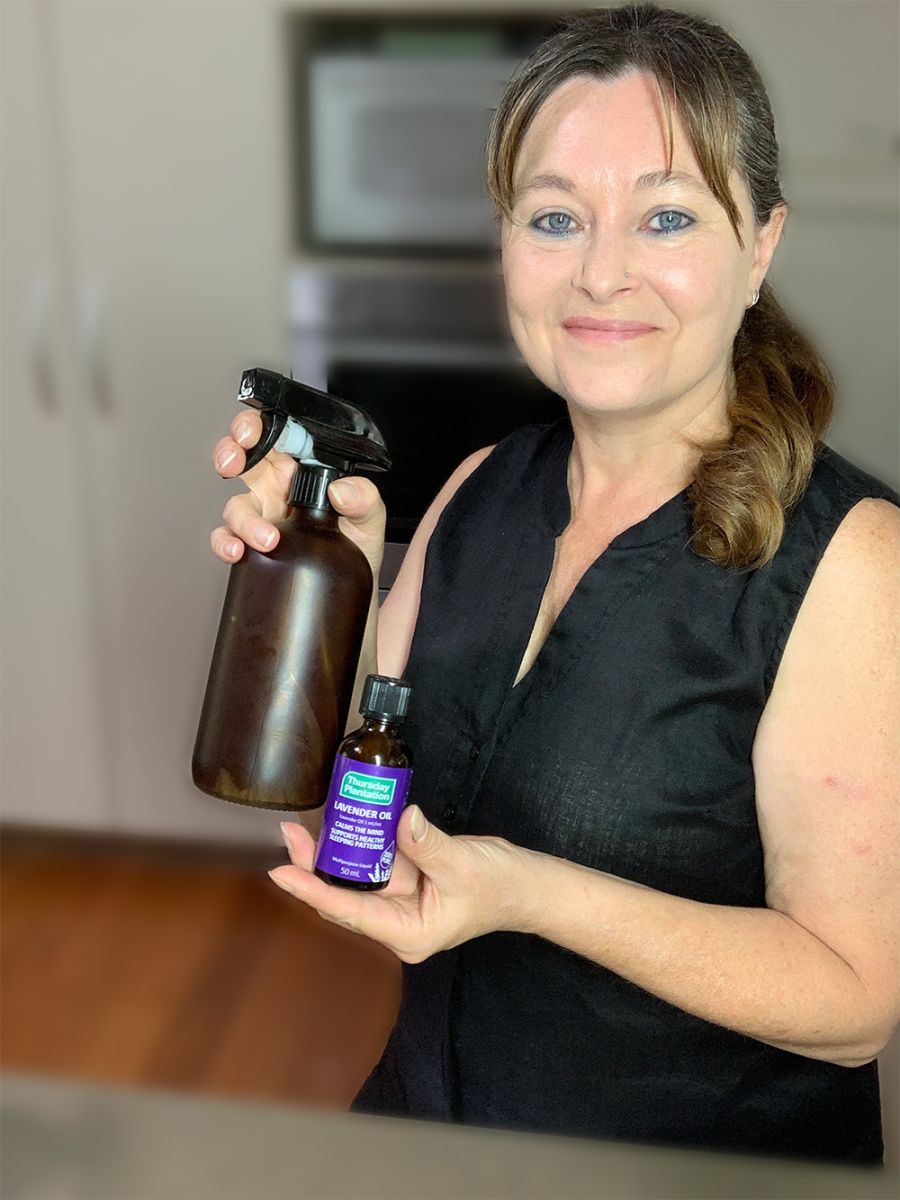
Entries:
{"x":624,"y":459}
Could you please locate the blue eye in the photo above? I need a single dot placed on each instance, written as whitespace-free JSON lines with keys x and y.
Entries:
{"x":668,"y":219}
{"x":554,"y":230}
{"x":669,"y":228}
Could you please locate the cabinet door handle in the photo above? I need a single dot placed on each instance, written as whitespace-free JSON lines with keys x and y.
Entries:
{"x":37,"y":324}
{"x":94,"y":308}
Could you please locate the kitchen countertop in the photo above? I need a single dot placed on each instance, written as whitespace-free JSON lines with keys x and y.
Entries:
{"x":69,"y":1140}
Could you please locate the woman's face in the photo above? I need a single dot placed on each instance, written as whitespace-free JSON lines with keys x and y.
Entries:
{"x":566,"y":251}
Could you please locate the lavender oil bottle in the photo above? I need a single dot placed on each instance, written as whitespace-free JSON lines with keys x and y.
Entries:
{"x":367,"y":794}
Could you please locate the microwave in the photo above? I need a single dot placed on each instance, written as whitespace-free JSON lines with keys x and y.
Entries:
{"x":396,"y":151}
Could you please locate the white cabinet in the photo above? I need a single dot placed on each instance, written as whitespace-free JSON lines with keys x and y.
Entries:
{"x":145,"y":192}
{"x":53,"y":763}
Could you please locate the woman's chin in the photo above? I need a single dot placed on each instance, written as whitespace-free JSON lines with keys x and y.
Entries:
{"x":594,"y":399}
{"x":592,"y":388}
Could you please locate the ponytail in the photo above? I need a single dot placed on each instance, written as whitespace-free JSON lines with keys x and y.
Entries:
{"x":746,"y":484}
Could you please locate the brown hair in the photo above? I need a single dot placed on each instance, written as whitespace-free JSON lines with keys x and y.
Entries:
{"x":745,"y":483}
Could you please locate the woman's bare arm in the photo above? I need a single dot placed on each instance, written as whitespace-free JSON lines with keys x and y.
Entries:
{"x":817,"y":972}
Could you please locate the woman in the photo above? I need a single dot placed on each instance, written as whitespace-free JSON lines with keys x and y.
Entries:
{"x":648,"y":886}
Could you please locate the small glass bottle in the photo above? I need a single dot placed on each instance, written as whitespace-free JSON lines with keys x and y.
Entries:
{"x":367,"y":795}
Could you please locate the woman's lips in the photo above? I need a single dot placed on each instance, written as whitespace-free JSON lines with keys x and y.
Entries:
{"x":606,"y":331}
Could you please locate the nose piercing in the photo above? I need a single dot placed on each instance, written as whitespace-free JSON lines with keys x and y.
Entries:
{"x":626,"y":274}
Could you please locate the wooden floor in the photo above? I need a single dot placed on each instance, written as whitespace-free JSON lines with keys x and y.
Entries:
{"x":177,"y":966}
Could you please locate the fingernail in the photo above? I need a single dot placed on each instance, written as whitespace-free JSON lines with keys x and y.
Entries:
{"x":285,"y":834}
{"x":417,"y":822}
{"x":282,"y":883}
{"x":231,"y":547}
{"x":265,"y":534}
{"x":242,"y":432}
{"x":343,"y":492}
{"x":225,"y":458}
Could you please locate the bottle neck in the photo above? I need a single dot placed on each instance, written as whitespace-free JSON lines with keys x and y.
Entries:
{"x":309,"y":488}
{"x":301,"y":514}
{"x":381,"y":724}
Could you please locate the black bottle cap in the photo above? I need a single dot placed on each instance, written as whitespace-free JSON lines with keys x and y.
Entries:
{"x":385,"y":697}
{"x":309,"y":487}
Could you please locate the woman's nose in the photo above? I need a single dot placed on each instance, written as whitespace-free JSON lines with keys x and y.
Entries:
{"x":602,"y":265}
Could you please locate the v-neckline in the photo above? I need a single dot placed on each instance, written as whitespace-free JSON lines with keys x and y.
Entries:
{"x":669,"y":518}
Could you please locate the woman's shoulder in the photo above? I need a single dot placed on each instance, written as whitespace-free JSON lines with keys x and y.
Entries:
{"x":836,"y":475}
{"x":861,"y":513}
{"x":837,"y":488}
{"x":517,"y":461}
{"x":533,"y":443}
{"x":863,"y":529}
{"x":510,"y":484}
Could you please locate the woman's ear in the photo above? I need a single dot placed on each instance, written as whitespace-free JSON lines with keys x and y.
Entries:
{"x":766,"y":240}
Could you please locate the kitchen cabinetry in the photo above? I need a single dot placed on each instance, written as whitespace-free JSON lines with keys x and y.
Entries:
{"x":145,"y":204}
{"x":145,"y":245}
{"x":54,"y":768}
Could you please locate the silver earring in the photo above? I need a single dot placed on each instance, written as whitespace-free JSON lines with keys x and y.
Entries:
{"x":755,"y":298}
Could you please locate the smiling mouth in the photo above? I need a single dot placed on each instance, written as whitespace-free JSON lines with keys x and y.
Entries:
{"x":585,"y":334}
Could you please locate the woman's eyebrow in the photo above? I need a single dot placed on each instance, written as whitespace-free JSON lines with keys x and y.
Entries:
{"x":655,"y":179}
{"x":644,"y":183}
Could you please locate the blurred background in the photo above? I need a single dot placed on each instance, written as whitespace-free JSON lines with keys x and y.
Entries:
{"x":193,"y":188}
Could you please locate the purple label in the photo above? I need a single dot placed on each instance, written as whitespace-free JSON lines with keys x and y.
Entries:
{"x":359,"y":828}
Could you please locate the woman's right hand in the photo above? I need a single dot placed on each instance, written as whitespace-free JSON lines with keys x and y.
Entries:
{"x":252,"y":518}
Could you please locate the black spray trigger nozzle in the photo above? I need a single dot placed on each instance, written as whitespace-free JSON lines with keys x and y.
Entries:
{"x":339,"y":434}
{"x":273,"y":423}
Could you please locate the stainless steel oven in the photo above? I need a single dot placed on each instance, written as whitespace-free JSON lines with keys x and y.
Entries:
{"x":430,"y":358}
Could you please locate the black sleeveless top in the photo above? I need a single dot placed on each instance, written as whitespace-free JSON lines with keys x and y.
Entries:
{"x":625,"y":748}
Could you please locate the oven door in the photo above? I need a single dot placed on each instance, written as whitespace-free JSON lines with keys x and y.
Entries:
{"x":434,"y":408}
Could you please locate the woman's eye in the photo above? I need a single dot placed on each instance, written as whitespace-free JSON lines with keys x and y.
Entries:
{"x":560,"y":224}
{"x":669,"y":221}
{"x":555,"y":226}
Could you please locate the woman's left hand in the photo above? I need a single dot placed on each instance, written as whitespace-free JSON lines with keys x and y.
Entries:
{"x":443,"y":890}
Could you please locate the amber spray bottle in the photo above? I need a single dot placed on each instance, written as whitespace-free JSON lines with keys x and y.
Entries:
{"x":293,"y":621}
{"x":369,"y":785}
